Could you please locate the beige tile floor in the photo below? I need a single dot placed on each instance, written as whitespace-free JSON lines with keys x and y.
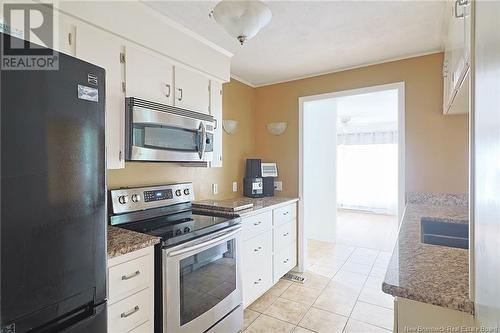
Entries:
{"x":342,"y":292}
{"x":373,"y":231}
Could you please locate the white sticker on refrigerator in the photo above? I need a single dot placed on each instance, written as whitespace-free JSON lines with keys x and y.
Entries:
{"x":88,"y":93}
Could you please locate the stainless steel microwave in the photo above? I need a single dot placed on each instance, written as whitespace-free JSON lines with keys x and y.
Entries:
{"x":161,"y":133}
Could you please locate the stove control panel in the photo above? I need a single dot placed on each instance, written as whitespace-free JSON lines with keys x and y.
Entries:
{"x":132,"y":199}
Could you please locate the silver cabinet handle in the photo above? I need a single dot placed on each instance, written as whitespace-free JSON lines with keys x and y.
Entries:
{"x":168,"y":90}
{"x":130,"y":312}
{"x":460,"y":3}
{"x":180,"y":94}
{"x":286,"y":234}
{"x":258,"y":249}
{"x":131,"y":275}
{"x":257,"y":223}
{"x":285,"y":261}
{"x":286,"y":213}
{"x":257,"y":282}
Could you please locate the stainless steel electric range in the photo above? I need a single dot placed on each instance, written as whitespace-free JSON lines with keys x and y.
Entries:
{"x":197,"y":263}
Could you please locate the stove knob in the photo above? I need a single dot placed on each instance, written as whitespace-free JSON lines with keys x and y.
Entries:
{"x":123,"y":199}
{"x":135,"y":197}
{"x":186,"y":229}
{"x":178,"y":232}
{"x":178,"y":193}
{"x":186,"y":191}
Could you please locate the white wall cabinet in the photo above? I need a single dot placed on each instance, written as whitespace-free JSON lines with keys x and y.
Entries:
{"x":192,"y":90}
{"x":135,"y":71}
{"x":103,"y":49}
{"x":148,"y":76}
{"x":67,"y":34}
{"x":269,"y":249}
{"x":216,"y":112}
{"x":457,"y":57}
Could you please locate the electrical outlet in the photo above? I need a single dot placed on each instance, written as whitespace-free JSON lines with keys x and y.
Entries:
{"x":278,"y":185}
{"x":215,"y":188}
{"x":235,"y":186}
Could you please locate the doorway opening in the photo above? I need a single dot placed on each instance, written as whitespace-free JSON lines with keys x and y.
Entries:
{"x":351,"y":173}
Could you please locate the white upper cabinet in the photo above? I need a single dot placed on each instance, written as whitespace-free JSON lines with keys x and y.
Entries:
{"x":457,"y":57}
{"x":148,"y":76}
{"x":216,"y":112}
{"x":192,"y":90}
{"x":67,"y":34}
{"x":103,"y":49}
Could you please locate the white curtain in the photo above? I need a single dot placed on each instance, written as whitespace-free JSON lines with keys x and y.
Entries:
{"x":367,"y":171}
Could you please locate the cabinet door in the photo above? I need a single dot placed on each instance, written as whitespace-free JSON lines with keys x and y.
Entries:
{"x":148,"y":76}
{"x":216,"y":112}
{"x":191,"y":90}
{"x":257,"y":266}
{"x":103,"y":49}
{"x":67,"y":34}
{"x":284,"y":260}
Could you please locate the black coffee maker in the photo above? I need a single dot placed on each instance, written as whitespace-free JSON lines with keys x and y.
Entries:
{"x":254,"y":185}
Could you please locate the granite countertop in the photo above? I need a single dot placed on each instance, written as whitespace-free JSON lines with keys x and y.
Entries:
{"x":122,"y":241}
{"x":437,"y":275}
{"x":258,"y":204}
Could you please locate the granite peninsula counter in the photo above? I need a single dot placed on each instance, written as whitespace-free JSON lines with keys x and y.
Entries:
{"x":437,"y":275}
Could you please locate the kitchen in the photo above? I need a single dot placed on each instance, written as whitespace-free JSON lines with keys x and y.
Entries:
{"x":196,"y":228}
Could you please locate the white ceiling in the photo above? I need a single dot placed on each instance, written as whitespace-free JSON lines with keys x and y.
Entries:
{"x":371,"y":111}
{"x":306,"y":38}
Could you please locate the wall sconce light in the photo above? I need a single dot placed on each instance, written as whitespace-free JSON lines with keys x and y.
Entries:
{"x":230,"y":126}
{"x":277,"y":128}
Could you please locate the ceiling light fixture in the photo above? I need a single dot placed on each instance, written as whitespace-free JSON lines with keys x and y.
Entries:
{"x":241,"y":19}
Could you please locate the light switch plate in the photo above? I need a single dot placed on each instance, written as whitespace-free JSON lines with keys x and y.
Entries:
{"x":215,"y":188}
{"x":235,"y":186}
{"x":278,"y":185}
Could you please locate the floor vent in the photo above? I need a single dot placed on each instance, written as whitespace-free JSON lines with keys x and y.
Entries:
{"x":294,"y":277}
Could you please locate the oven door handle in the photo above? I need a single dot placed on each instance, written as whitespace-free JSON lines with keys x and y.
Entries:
{"x":225,"y":236}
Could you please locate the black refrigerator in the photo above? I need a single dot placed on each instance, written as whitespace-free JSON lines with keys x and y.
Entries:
{"x":53,"y":214}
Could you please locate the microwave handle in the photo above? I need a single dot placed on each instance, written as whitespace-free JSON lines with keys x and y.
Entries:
{"x":203,"y":131}
{"x":224,"y":237}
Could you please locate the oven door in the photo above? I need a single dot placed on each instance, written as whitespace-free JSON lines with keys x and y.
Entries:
{"x":201,"y":282}
{"x":162,"y":136}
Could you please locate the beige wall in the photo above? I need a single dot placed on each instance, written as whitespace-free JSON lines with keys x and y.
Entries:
{"x":239,"y":104}
{"x":436,"y":145}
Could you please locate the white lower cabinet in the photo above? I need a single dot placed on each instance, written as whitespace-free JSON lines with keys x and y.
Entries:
{"x":257,"y":259}
{"x":284,"y":260}
{"x":131,"y":292}
{"x":131,"y":312}
{"x":269,"y":249}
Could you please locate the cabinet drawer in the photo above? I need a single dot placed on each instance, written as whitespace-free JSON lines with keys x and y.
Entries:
{"x":257,"y":279}
{"x":143,"y":328}
{"x":284,"y":235}
{"x":131,"y":276}
{"x":257,"y":249}
{"x":130,"y":312}
{"x":284,"y":214}
{"x":257,"y":224}
{"x":284,"y":261}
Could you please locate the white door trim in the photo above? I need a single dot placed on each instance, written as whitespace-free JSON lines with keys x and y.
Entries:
{"x":400,"y":86}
